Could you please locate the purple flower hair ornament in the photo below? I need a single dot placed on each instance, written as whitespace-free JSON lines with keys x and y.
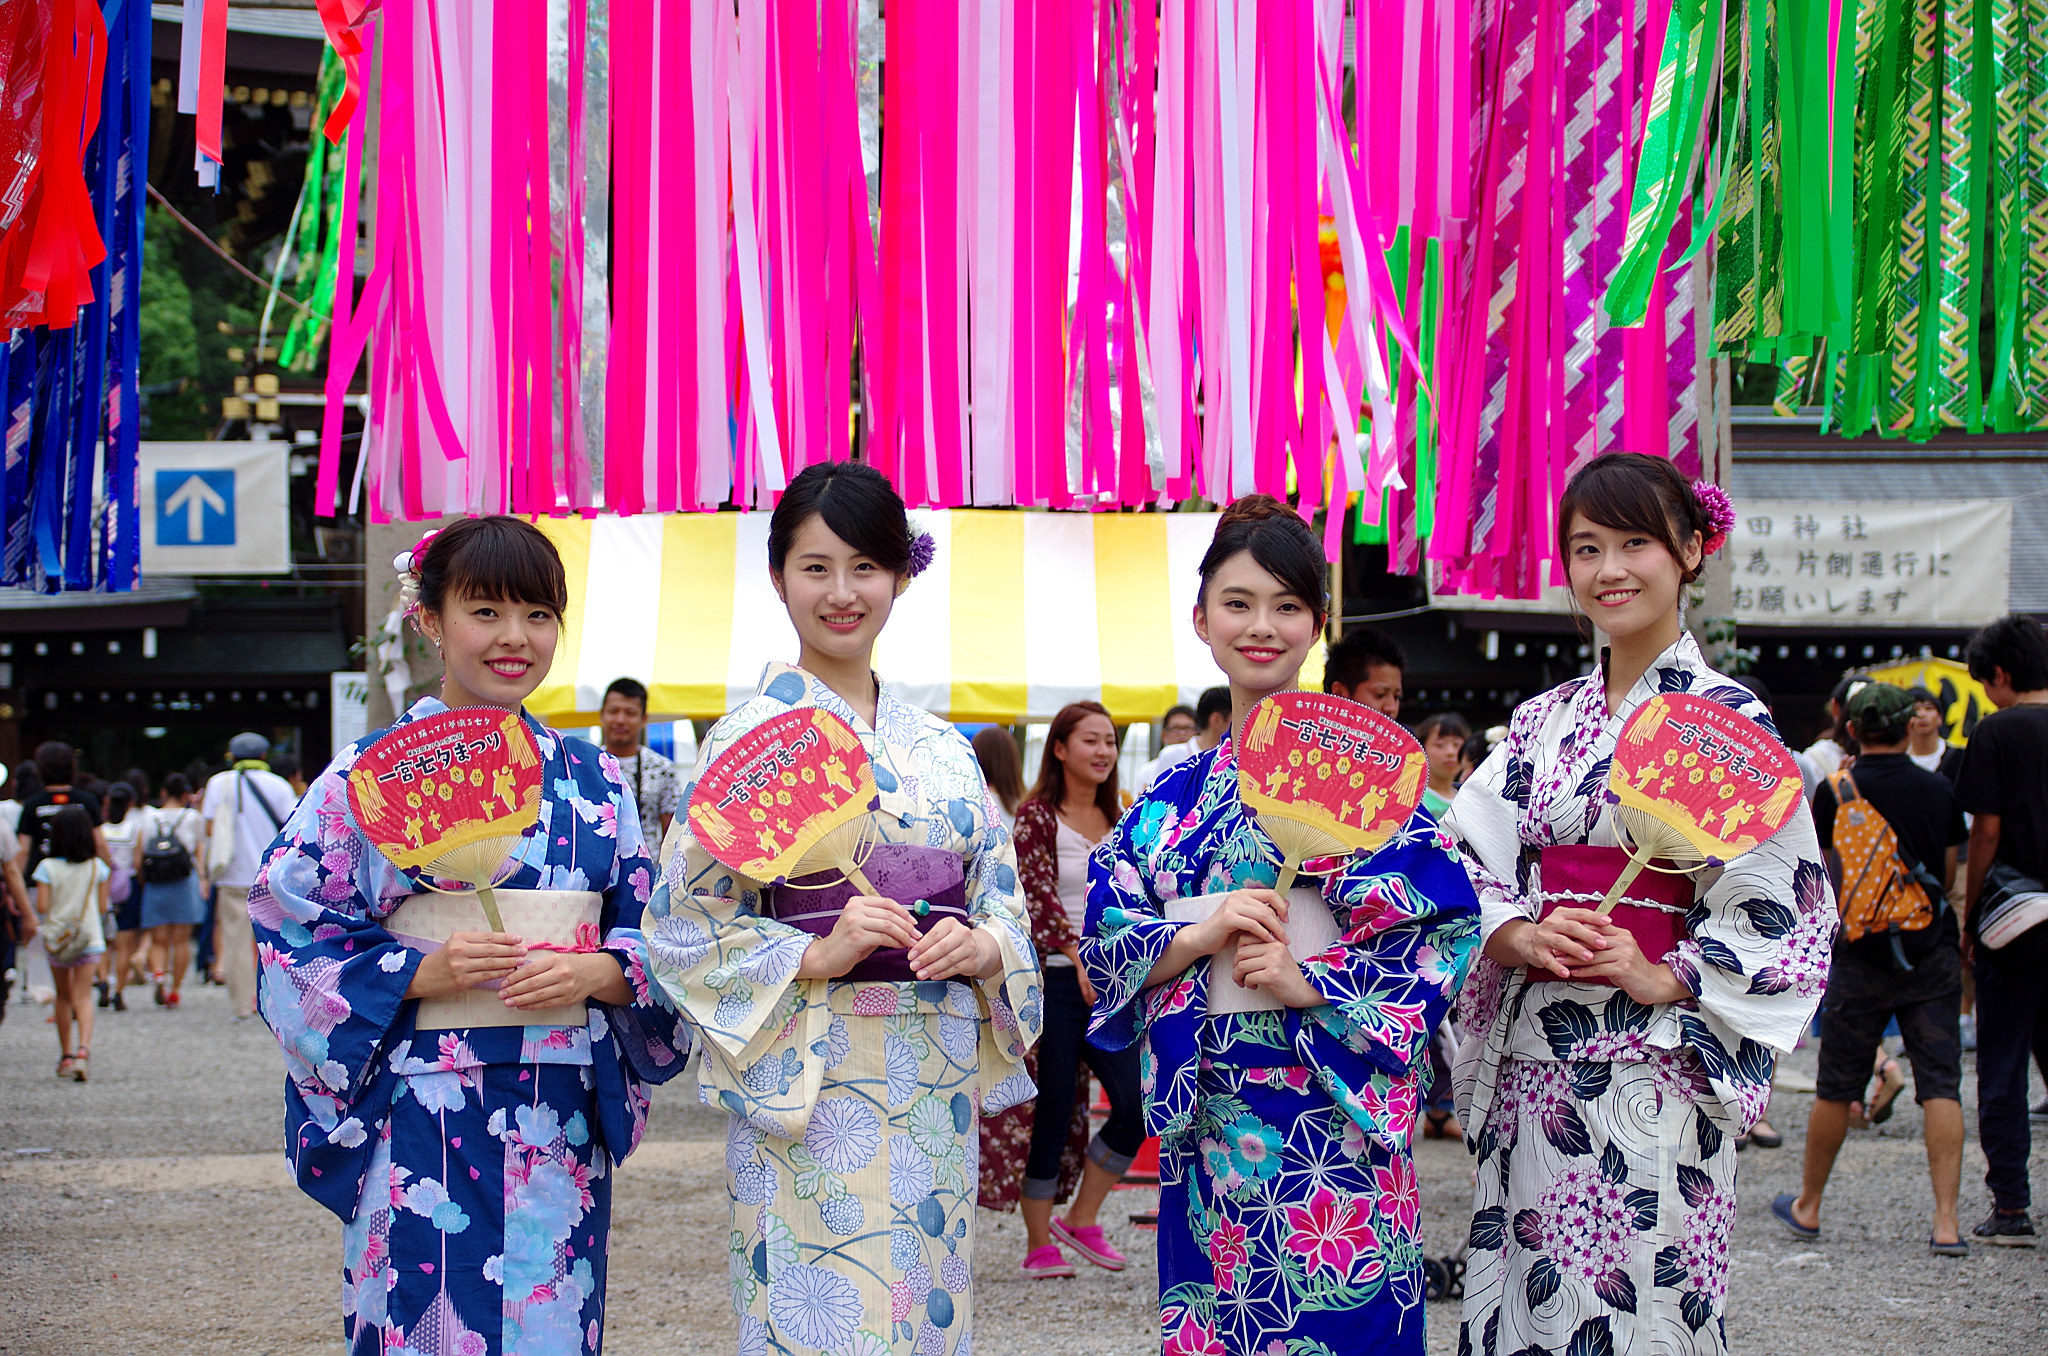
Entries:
{"x":922,"y":550}
{"x":1719,"y":513}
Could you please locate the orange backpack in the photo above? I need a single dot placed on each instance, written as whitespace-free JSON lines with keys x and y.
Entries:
{"x":1879,"y":892}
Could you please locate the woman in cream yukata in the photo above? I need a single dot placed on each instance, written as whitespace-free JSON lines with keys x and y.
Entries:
{"x":855,"y":1103}
{"x":1605,"y":1113}
{"x":1288,"y":1199}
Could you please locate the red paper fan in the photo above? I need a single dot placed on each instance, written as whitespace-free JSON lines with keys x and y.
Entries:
{"x":1326,"y":776}
{"x":1698,"y":783}
{"x":451,"y":794}
{"x":788,"y":798}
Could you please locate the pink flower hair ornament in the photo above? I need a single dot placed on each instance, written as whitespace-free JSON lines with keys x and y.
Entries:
{"x":407,"y":564}
{"x":1719,"y":512}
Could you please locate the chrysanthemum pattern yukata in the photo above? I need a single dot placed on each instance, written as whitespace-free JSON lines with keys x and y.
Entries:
{"x":1287,"y":1218}
{"x":852,"y":1150}
{"x":1605,"y":1128}
{"x":472,"y":1168}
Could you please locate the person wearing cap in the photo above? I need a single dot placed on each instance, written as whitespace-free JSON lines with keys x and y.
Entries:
{"x":244,"y":808}
{"x":1916,"y":977}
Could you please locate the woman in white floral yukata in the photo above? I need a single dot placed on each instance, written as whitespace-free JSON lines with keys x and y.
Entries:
{"x":467,"y":1144}
{"x":857,"y":1057}
{"x":1603,"y":1089}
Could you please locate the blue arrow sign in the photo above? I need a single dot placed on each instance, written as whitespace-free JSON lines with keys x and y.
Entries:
{"x":195,"y":508}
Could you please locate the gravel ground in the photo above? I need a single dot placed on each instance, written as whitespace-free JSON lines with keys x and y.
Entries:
{"x":150,"y":1212}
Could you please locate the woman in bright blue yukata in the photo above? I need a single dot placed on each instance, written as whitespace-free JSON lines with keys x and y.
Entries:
{"x":1284,"y":1107}
{"x":467,"y":1141}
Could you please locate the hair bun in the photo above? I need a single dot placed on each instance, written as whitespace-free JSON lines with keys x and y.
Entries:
{"x":1255,"y":508}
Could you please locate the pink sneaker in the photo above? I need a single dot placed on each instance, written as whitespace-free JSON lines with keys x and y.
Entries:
{"x":1046,"y":1264}
{"x":1090,"y":1242}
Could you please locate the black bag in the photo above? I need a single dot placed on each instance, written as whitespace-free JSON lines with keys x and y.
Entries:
{"x":165,"y":860}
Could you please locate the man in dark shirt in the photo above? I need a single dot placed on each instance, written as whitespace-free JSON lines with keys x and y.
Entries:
{"x":56,"y":762}
{"x":2003,"y":783}
{"x":1914,"y":976}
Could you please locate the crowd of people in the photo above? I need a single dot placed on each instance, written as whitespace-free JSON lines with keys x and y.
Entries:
{"x":111,"y":888}
{"x":890,"y":1062}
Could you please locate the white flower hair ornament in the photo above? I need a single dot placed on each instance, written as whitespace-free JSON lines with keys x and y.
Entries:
{"x":407,"y":564}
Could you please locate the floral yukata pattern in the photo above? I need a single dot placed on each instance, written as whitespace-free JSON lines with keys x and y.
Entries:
{"x":1605,"y":1128}
{"x":1287,"y":1218}
{"x":471,"y":1168}
{"x":853,"y":1146}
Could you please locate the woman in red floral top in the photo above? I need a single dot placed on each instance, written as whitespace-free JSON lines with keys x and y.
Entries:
{"x":1070,"y":810}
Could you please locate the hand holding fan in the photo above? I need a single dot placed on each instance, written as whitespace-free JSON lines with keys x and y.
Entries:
{"x":1697,"y":785}
{"x":1326,"y":776}
{"x":791,"y":797}
{"x":451,"y":795}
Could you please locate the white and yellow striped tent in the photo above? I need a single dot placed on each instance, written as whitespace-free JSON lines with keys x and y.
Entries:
{"x":1020,"y":613}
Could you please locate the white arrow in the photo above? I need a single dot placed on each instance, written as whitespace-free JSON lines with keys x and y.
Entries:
{"x":195,"y":496}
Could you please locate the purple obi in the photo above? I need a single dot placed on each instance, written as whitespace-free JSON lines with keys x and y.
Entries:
{"x":1578,"y":876}
{"x":929,"y":882}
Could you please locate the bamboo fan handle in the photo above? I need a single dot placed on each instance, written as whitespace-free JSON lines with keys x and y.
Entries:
{"x":1621,"y":884}
{"x":488,"y":897}
{"x":1290,"y":866}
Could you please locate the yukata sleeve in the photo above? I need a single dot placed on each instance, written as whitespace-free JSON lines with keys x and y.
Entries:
{"x":1126,"y":936}
{"x":1412,"y":924}
{"x":1037,"y":843}
{"x":1015,"y":994}
{"x":331,"y":979}
{"x":731,"y":972}
{"x":1483,"y":823}
{"x":649,"y":1030}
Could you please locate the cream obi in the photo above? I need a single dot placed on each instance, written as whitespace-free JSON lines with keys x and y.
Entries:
{"x":561,"y":920}
{"x":1310,"y":931}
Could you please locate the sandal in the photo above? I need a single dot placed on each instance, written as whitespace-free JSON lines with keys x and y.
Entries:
{"x":1887,"y":1093}
{"x":1765,"y":1136}
{"x":78,"y":1069}
{"x":1441,"y":1125}
{"x":159,"y":990}
{"x":64,"y":1064}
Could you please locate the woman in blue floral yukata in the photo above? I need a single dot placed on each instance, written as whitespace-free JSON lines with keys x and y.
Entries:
{"x":1285,"y":1108}
{"x":856,"y":1040}
{"x":1604,"y":1089}
{"x":467,"y":1140}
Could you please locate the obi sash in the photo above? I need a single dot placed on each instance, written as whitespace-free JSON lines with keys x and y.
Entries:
{"x":1310,"y":931}
{"x":562,"y":920}
{"x":930,"y":882}
{"x":1578,"y":876}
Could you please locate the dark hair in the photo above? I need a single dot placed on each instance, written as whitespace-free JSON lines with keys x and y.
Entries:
{"x":71,"y":835}
{"x":285,"y":764}
{"x":1279,"y":542}
{"x":1631,"y":492}
{"x":630,"y":688}
{"x":1443,"y":722}
{"x":176,"y":784}
{"x":501,"y":558}
{"x":1177,"y":710}
{"x":996,"y":750}
{"x":2016,"y":644}
{"x":1355,"y":653}
{"x":28,"y":779}
{"x":56,"y":763}
{"x":1052,"y":773}
{"x":1474,"y":749}
{"x":1214,"y":702}
{"x":1756,"y":689}
{"x":121,"y":799}
{"x":138,"y":779}
{"x":858,"y":504}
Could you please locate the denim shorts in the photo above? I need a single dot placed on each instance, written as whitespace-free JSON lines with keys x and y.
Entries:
{"x":1861,"y":1001}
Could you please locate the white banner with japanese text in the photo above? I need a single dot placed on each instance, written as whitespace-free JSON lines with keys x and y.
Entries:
{"x":1881,"y":562}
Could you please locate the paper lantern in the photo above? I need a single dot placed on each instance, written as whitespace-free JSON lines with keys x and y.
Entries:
{"x":791,"y":797}
{"x":1326,"y":776}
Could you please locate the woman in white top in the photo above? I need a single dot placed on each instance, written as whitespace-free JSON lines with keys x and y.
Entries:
{"x":173,"y":889}
{"x":124,"y":831}
{"x":1072,"y":808}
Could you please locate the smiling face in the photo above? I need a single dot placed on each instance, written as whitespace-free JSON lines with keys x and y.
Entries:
{"x":1258,"y":630}
{"x":1178,"y":729}
{"x":495,"y":652}
{"x":624,"y":720}
{"x":838,"y":598}
{"x":1626,"y":580}
{"x":1088,"y":755}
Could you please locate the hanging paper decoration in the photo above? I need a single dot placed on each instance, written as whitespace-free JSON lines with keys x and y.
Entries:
{"x":74,"y":138}
{"x":313,"y":238}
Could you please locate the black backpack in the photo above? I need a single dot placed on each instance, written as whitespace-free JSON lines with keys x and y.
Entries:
{"x":165,"y":859}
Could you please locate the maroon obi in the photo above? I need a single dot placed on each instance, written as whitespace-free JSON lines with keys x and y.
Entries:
{"x":1652,"y":909}
{"x":912,"y":876}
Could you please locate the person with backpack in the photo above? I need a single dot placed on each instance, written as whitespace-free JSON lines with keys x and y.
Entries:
{"x":1893,"y":828}
{"x":173,"y":886}
{"x":123,"y":831}
{"x":244,"y":809}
